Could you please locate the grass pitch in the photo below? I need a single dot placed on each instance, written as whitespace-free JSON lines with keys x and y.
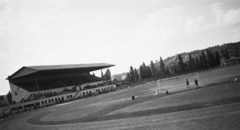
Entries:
{"x":216,"y":105}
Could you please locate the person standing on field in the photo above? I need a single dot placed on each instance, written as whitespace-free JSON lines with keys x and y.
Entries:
{"x":196,"y":83}
{"x":187,"y":82}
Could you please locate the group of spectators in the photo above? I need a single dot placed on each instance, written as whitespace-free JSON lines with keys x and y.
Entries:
{"x":67,"y":81}
{"x":73,"y":89}
{"x":96,"y":85}
{"x":39,"y":96}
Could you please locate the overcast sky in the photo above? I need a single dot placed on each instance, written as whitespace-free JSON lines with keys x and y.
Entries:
{"x":121,"y":32}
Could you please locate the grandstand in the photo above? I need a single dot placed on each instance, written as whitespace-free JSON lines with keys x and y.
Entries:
{"x":39,"y":86}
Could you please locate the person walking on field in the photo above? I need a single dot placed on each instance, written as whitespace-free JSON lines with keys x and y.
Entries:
{"x":196,"y":83}
{"x":187,"y":82}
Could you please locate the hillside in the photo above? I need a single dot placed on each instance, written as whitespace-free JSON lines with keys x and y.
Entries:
{"x":232,"y":48}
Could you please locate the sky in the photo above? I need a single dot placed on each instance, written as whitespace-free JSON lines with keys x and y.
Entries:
{"x":120,"y":32}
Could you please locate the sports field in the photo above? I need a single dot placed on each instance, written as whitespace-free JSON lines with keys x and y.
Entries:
{"x":215,"y":105}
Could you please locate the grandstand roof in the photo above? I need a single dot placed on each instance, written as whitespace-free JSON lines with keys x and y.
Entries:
{"x":28,"y":70}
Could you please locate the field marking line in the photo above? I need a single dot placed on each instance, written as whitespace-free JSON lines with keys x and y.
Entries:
{"x":182,"y":111}
{"x":182,"y":87}
{"x":111,"y":101}
{"x":160,"y":123}
{"x":63,"y":104}
{"x":151,"y":122}
{"x":202,"y":108}
{"x":136,"y":117}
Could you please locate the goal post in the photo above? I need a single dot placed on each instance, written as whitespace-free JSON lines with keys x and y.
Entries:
{"x":177,"y":82}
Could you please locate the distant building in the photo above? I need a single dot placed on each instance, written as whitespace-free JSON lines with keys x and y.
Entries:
{"x":231,"y":61}
{"x":119,"y":77}
{"x":3,"y":100}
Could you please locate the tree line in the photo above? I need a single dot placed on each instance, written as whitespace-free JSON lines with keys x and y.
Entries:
{"x":145,"y":72}
{"x":106,"y":75}
{"x":206,"y":60}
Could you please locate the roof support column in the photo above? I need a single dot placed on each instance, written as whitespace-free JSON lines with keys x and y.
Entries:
{"x":60,"y":79}
{"x":37,"y":83}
